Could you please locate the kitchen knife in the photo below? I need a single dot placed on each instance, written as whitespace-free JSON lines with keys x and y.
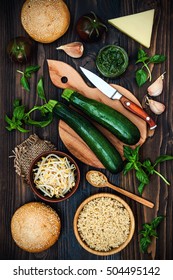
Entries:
{"x":112,"y":93}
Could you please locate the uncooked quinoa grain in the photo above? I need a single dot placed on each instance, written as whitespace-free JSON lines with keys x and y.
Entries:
{"x":104,"y":224}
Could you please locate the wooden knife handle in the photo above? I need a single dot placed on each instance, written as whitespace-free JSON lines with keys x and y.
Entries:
{"x":135,"y":109}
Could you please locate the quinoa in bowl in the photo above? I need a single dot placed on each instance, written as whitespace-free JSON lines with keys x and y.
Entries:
{"x":104,"y":224}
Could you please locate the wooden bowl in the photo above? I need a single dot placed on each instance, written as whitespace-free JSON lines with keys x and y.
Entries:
{"x":113,"y":250}
{"x":38,"y":192}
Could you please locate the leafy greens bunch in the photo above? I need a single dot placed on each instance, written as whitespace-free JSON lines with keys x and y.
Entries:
{"x":144,"y":73}
{"x":20,"y":117}
{"x":148,"y":232}
{"x":143,"y":169}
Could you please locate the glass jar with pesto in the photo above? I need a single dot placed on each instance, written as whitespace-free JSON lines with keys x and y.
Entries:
{"x":112,"y":61}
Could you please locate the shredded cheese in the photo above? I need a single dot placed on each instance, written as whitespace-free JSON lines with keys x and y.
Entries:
{"x":54,"y":175}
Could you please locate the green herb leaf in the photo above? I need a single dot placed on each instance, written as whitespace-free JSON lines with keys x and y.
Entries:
{"x":19,"y":112}
{"x":142,"y":176}
{"x":148,"y":165}
{"x":21,"y":129}
{"x":129,"y":166}
{"x":30,"y":69}
{"x":149,"y":231}
{"x":157,"y":221}
{"x":141,"y":77}
{"x":26,"y":75}
{"x":43,"y":123}
{"x":40,"y":89}
{"x":141,"y":188}
{"x":24,"y":83}
{"x":132,"y":155}
{"x":8,"y":120}
{"x":144,"y":243}
{"x":162,"y":158}
{"x":157,"y":58}
{"x":16,"y":103}
{"x":13,"y":123}
{"x":141,"y":54}
{"x":143,"y":169}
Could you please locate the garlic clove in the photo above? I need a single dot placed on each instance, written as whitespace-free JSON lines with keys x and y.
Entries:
{"x":74,"y":49}
{"x":155,"y":106}
{"x":156,"y":88}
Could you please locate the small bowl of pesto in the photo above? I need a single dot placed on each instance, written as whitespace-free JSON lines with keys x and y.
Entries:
{"x":112,"y":61}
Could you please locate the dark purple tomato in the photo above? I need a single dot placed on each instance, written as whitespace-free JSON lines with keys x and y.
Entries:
{"x":19,"y":49}
{"x":90,"y":27}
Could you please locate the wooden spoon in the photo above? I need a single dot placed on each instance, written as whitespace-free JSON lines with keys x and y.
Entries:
{"x":102,"y":181}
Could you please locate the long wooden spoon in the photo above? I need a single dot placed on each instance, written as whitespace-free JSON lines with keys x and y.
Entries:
{"x":99,"y":180}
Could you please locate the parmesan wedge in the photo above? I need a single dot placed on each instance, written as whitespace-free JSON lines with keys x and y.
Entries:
{"x":137,"y":26}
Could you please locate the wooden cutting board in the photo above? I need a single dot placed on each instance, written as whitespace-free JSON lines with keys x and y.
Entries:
{"x":64,"y":76}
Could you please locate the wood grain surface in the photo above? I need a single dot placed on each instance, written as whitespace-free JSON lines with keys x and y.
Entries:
{"x":14,"y":192}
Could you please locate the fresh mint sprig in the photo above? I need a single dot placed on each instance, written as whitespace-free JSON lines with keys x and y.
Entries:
{"x":148,"y":232}
{"x":144,"y":73}
{"x":145,"y":169}
{"x":26,"y":75}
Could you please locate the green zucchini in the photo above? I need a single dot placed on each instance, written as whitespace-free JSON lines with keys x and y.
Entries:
{"x":98,"y":143}
{"x":114,"y":121}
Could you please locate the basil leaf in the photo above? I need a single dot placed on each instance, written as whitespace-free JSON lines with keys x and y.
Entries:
{"x":8,"y":120}
{"x":147,"y":164}
{"x":12,"y":123}
{"x":156,"y":221}
{"x":149,"y":231}
{"x":144,"y":243}
{"x":157,"y":58}
{"x":142,"y":176}
{"x":21,"y":129}
{"x":142,"y":59}
{"x":141,"y":77}
{"x":30,"y":69}
{"x":46,"y":121}
{"x":19,"y":112}
{"x":40,"y":123}
{"x":130,"y":154}
{"x":16,"y":103}
{"x":40,"y":89}
{"x":24,"y":83}
{"x":141,"y":54}
{"x":162,"y":159}
{"x":129,"y":166}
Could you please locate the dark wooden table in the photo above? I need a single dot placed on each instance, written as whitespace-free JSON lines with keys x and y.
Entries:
{"x":14,"y":192}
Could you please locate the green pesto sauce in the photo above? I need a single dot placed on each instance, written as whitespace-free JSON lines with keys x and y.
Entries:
{"x":112,"y":61}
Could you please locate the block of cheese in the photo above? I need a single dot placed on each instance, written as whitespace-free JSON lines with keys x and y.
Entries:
{"x":137,"y":26}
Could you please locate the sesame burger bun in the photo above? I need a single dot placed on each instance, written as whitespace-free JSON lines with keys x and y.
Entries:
{"x":45,"y":20}
{"x":35,"y":227}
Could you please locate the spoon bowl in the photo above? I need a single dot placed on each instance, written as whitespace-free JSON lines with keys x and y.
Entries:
{"x":99,"y":180}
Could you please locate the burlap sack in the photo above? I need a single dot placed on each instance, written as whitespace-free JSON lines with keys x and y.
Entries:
{"x":27,"y":151}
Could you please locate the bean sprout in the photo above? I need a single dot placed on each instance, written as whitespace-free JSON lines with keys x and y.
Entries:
{"x":54,"y":175}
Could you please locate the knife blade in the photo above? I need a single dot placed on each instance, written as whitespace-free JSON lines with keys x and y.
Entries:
{"x":112,"y":93}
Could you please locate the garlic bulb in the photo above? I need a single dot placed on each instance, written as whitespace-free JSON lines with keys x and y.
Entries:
{"x":74,"y":49}
{"x":156,"y":88}
{"x":155,"y":106}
